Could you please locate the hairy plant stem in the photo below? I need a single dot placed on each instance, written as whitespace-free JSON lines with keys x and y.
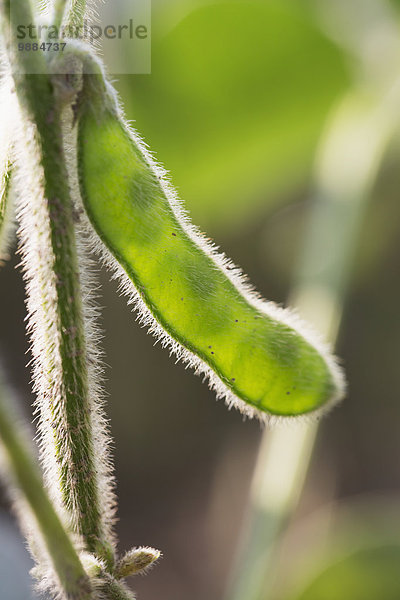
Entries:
{"x":351,"y":153}
{"x":6,"y":136}
{"x":64,"y":373}
{"x":115,"y":590}
{"x":59,"y":7}
{"x":25,"y":476}
{"x":4,"y":190}
{"x":69,"y":14}
{"x":5,"y":179}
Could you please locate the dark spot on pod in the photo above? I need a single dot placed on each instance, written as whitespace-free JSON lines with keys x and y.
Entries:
{"x":174,"y":234}
{"x":236,"y":320}
{"x":287,"y":393}
{"x":233,"y":379}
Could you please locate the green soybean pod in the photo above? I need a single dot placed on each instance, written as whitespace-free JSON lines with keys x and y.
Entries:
{"x":259,"y":357}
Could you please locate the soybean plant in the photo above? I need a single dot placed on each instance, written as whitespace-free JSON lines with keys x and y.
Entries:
{"x":84,"y":180}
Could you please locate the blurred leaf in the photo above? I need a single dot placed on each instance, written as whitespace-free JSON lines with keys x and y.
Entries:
{"x":368,"y":574}
{"x":235,"y":104}
{"x":15,"y":563}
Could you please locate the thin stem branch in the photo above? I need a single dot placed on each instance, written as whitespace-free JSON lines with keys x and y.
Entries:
{"x":5,"y":216}
{"x":114,"y":590}
{"x":59,"y":7}
{"x":5,"y":177}
{"x":24,"y":472}
{"x":69,"y":14}
{"x":6,"y":137}
{"x":57,"y":315}
{"x":350,"y":156}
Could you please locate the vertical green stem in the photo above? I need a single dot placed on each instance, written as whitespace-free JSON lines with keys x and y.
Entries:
{"x":6,"y":136}
{"x":349,"y":160}
{"x":26,"y":478}
{"x":115,"y":590}
{"x":5,"y":178}
{"x":4,"y":190}
{"x":62,"y":365}
{"x":59,"y":7}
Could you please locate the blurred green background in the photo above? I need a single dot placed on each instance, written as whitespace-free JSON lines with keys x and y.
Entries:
{"x":239,"y":96}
